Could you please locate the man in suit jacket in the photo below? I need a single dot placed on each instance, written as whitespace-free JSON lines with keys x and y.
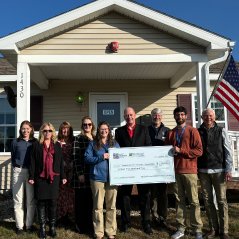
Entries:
{"x":134,"y":135}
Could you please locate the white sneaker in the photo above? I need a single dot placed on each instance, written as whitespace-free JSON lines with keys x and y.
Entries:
{"x":178,"y":234}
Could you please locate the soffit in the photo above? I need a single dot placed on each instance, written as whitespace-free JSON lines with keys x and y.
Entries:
{"x":110,"y":71}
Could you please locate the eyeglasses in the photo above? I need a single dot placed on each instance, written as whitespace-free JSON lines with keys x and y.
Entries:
{"x":87,"y":124}
{"x":46,"y":130}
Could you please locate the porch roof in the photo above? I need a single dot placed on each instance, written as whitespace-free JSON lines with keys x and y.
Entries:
{"x":214,"y":44}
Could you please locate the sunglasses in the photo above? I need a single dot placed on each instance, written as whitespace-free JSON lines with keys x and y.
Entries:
{"x":87,"y":124}
{"x":45,"y":130}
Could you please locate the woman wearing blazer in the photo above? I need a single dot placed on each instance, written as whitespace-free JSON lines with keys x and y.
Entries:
{"x":46,"y":172}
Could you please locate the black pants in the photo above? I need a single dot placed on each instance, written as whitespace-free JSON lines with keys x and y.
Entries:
{"x":83,"y":207}
{"x":159,"y":200}
{"x":144,"y":202}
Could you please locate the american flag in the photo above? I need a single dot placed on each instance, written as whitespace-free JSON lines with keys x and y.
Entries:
{"x":228,"y":90}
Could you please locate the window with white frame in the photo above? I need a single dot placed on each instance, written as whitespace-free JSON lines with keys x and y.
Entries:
{"x":217,"y":106}
{"x":8,"y":123}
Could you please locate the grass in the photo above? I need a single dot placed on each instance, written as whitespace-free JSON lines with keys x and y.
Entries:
{"x":8,"y":229}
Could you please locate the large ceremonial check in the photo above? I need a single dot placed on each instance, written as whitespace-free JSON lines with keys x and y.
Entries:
{"x":141,"y":165}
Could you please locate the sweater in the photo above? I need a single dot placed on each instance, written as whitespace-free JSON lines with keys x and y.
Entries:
{"x":99,"y":168}
{"x":20,"y":152}
{"x":191,"y":148}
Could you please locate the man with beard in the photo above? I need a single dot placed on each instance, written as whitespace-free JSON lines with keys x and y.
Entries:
{"x":158,"y":197}
{"x":187,"y":146}
{"x":214,"y":169}
{"x":134,"y":135}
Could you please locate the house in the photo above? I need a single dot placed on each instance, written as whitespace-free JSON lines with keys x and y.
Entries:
{"x":161,"y":62}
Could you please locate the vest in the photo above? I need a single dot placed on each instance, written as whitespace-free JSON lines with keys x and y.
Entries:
{"x":213,"y":150}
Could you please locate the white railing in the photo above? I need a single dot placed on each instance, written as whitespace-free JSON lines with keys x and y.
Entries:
{"x":234,"y":136}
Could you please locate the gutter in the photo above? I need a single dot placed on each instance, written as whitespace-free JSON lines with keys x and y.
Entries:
{"x":212,"y":62}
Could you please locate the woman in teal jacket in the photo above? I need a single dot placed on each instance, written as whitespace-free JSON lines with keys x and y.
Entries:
{"x":97,"y":156}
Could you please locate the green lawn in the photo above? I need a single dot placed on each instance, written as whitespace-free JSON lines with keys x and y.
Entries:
{"x":7,"y":229}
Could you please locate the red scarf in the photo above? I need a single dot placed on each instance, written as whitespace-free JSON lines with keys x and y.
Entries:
{"x":48,"y":154}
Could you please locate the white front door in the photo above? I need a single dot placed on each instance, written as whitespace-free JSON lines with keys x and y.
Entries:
{"x":108,"y":107}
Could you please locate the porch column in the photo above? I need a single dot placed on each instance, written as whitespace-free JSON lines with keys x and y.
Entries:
{"x":23,"y":93}
{"x":202,"y":89}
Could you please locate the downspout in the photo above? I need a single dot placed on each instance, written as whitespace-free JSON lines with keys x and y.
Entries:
{"x":212,"y":62}
{"x":208,"y":64}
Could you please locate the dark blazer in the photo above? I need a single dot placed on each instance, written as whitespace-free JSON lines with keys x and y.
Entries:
{"x":140,"y":137}
{"x":36,"y":162}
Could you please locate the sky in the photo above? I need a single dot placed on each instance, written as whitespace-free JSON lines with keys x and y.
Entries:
{"x":219,"y":16}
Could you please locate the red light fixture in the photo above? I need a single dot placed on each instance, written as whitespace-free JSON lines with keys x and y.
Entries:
{"x":114,"y":46}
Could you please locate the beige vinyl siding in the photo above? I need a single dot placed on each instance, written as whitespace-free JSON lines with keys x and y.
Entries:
{"x":59,"y":101}
{"x":95,"y":37}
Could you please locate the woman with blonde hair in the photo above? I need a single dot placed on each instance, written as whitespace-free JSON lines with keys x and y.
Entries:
{"x":98,"y":157}
{"x":20,"y":156}
{"x":81,"y":179}
{"x":66,"y":200}
{"x":46,"y":171}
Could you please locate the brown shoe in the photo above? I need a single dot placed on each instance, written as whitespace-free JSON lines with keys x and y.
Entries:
{"x":213,"y":234}
{"x":224,"y":236}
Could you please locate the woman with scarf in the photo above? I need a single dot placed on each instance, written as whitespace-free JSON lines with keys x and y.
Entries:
{"x":46,"y":173}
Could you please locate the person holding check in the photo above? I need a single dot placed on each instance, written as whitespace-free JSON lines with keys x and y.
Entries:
{"x":97,"y":156}
{"x":187,"y":147}
{"x":134,"y":135}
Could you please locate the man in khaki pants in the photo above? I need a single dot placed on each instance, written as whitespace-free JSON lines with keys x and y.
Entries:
{"x":187,"y":146}
{"x":214,"y":170}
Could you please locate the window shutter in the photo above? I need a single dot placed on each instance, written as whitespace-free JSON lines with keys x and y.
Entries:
{"x":36,"y":112}
{"x":233,"y":123}
{"x":185,"y":100}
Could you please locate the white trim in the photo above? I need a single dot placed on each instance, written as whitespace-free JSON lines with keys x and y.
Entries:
{"x":95,"y":97}
{"x":8,"y":78}
{"x":193,"y":109}
{"x":76,"y":59}
{"x":5,"y":154}
{"x":106,"y":6}
{"x":212,"y":77}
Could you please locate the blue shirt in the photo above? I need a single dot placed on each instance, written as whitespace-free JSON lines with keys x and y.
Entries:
{"x":20,"y":152}
{"x":99,"y":168}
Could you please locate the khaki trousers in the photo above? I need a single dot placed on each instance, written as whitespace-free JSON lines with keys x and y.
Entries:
{"x":217,"y":181}
{"x":101,"y":191}
{"x":20,"y":182}
{"x":188,"y":183}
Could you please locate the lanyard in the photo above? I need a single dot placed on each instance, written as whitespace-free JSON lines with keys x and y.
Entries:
{"x":179,"y":138}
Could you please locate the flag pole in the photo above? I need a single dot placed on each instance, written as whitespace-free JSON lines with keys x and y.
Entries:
{"x":219,"y":78}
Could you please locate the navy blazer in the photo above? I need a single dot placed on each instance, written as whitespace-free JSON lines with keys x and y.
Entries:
{"x":36,"y":162}
{"x":140,"y":137}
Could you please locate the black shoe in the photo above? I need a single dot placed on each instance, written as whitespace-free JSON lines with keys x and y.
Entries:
{"x":29,"y":231}
{"x":147,"y":230}
{"x":19,"y":232}
{"x":163,"y":224}
{"x":156,"y":221}
{"x":125,"y":228}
